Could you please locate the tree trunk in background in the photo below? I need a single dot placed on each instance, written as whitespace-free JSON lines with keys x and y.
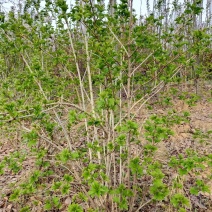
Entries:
{"x":112,"y":3}
{"x":209,"y":16}
{"x":195,"y":66}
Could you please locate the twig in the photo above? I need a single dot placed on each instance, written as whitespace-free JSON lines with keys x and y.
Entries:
{"x":44,"y":138}
{"x":141,"y":206}
{"x":135,"y":69}
{"x":119,"y":42}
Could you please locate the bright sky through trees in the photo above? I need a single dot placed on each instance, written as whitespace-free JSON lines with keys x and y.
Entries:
{"x":140,"y":6}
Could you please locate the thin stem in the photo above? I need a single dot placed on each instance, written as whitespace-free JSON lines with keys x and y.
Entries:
{"x":91,"y":92}
{"x":119,"y":42}
{"x":141,"y":206}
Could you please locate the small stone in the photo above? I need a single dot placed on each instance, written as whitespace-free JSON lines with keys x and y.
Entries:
{"x":68,"y":201}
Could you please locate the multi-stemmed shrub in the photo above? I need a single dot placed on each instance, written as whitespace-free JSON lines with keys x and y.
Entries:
{"x":73,"y":89}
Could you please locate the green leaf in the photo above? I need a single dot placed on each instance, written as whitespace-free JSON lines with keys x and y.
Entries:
{"x":15,"y":195}
{"x":97,"y":189}
{"x":121,"y":140}
{"x":68,"y":178}
{"x":65,"y":189}
{"x":31,"y":138}
{"x":179,"y":200}
{"x":75,"y":208}
{"x":56,"y":201}
{"x":56,"y":185}
{"x":48,"y":205}
{"x":72,"y":117}
{"x":135,"y":166}
{"x":64,"y":155}
{"x":25,"y":209}
{"x":194,"y":190}
{"x":159,"y":190}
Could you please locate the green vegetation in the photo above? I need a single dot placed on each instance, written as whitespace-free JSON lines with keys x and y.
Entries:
{"x":71,"y":92}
